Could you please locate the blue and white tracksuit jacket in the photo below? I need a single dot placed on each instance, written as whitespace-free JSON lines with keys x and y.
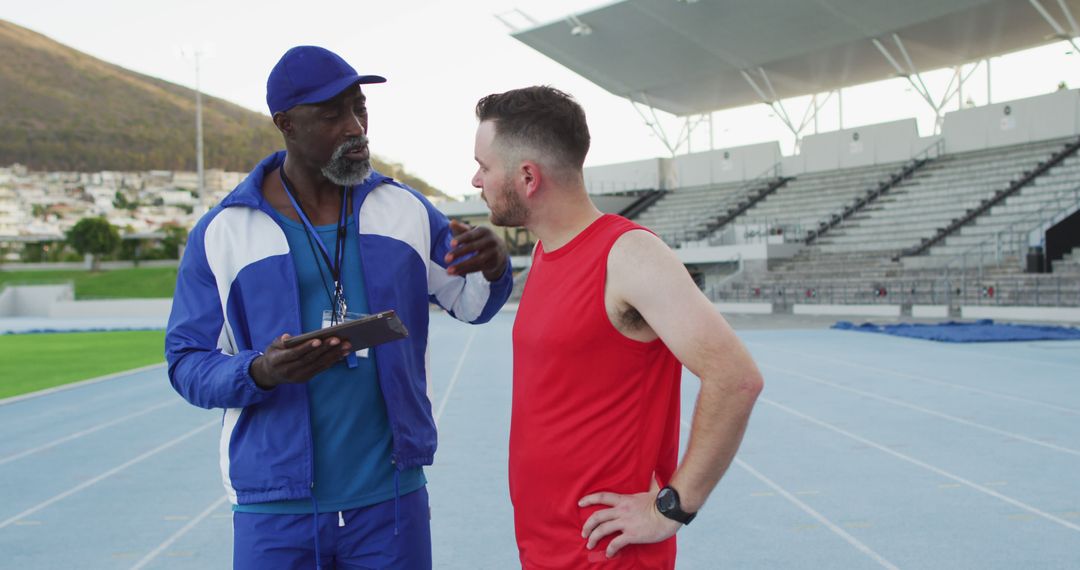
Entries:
{"x":236,"y":292}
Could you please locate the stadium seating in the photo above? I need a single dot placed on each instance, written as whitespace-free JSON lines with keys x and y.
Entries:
{"x":684,"y":214}
{"x":856,"y":261}
{"x":942,"y":191}
{"x":803,"y":203}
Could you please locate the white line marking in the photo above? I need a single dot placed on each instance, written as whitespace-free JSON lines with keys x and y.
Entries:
{"x":1065,"y":365}
{"x":178,"y":534}
{"x":107,"y":474}
{"x":85,"y":432}
{"x":454,"y":378}
{"x":927,"y":466}
{"x":941,"y":415}
{"x":810,"y":511}
{"x":818,"y":516}
{"x":931,"y":380}
{"x":971,"y":349}
{"x":79,"y":384}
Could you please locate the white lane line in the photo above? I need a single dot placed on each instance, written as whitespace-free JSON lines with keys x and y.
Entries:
{"x":85,"y":432}
{"x":981,"y":488}
{"x":80,"y":384}
{"x":107,"y":474}
{"x":454,"y":378}
{"x":178,"y":534}
{"x":969,"y":349}
{"x":860,"y":546}
{"x":818,"y":516}
{"x":991,"y":393}
{"x":927,"y":411}
{"x":978,"y":353}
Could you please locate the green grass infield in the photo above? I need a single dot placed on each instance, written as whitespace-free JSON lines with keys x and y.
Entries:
{"x":37,"y":361}
{"x":134,"y":283}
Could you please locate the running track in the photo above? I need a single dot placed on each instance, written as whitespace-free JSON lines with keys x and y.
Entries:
{"x":865,"y":451}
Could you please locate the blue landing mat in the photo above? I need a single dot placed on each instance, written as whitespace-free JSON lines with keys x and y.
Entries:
{"x":980,"y":331}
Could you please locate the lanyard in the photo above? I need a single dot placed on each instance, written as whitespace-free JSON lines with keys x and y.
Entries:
{"x":337,"y":300}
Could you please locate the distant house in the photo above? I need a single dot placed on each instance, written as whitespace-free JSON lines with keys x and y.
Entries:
{"x":176,"y":198}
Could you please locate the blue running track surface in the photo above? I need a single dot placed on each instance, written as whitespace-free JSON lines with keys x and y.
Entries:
{"x":865,"y":451}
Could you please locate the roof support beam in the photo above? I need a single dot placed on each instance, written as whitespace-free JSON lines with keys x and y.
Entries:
{"x":911,"y":73}
{"x":754,"y":85}
{"x":653,"y":123}
{"x":911,"y":68}
{"x":577,"y":27}
{"x":690,"y":124}
{"x":1058,"y":29}
{"x":888,"y":56}
{"x":774,"y":102}
{"x":1069,"y":17}
{"x":959,"y":89}
{"x":504,"y":17}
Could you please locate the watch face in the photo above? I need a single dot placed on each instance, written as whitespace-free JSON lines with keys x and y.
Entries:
{"x":665,"y":500}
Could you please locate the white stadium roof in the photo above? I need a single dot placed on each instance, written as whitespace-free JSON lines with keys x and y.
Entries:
{"x":688,"y":57}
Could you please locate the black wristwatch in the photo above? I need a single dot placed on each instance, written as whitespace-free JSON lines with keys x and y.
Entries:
{"x":667,"y":502}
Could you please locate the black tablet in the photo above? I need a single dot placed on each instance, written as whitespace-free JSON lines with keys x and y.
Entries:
{"x":362,"y":333}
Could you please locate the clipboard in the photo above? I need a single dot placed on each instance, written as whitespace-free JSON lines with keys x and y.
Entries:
{"x":361,"y":333}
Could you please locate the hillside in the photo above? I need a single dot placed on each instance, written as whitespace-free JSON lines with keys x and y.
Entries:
{"x":61,"y":109}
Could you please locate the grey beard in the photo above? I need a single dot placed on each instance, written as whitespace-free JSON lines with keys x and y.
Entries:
{"x":345,"y":171}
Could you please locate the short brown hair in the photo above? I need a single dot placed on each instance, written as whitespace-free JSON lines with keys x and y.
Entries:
{"x":540,"y":117}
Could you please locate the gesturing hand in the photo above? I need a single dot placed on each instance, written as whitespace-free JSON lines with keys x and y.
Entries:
{"x":489,"y":252}
{"x":280,"y":365}
{"x":634,"y":516}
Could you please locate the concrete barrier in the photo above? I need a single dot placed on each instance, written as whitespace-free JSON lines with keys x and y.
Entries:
{"x":111,"y":308}
{"x":846,"y":310}
{"x":745,"y":308}
{"x":1036,"y":314}
{"x":33,"y":300}
{"x":930,"y":311}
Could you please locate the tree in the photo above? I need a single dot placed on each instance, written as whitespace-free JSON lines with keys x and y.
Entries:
{"x":175,"y":236}
{"x":95,"y":236}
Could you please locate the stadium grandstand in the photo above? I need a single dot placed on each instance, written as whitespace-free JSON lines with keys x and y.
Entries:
{"x":981,"y":214}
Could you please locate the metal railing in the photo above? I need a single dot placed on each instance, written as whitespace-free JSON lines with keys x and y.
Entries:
{"x":747,"y":192}
{"x":1041,"y":290}
{"x":1014,"y":239}
{"x":909,"y":167}
{"x":757,"y":230}
{"x":1013,"y":188}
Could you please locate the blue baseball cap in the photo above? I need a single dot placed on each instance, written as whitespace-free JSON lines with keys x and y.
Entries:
{"x":310,"y":74}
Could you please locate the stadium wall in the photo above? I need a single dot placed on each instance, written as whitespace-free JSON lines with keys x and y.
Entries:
{"x":32,"y":300}
{"x":883,"y":143}
{"x":1043,"y":117}
{"x":725,"y":165}
{"x":648,"y":174}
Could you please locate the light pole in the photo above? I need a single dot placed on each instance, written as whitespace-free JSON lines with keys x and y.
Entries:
{"x":199,"y":139}
{"x":196,"y":54}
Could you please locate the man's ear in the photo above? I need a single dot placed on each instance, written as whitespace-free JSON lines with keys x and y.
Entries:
{"x":531,"y":176}
{"x":284,"y":123}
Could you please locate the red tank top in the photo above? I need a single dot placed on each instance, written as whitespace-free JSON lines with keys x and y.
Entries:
{"x":592,"y":409}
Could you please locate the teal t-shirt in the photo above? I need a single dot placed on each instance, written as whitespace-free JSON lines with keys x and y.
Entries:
{"x":349,"y":425}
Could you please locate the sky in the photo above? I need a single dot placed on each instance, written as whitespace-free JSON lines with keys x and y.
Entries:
{"x":441,"y":57}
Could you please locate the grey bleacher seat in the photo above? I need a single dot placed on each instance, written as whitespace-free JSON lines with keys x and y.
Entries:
{"x":809,"y":199}
{"x":946,"y":189}
{"x":683,"y":213}
{"x":1005,"y":226}
{"x":850,"y":261}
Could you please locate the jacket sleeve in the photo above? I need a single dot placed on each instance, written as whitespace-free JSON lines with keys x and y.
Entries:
{"x":204,"y":366}
{"x":472,"y":298}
